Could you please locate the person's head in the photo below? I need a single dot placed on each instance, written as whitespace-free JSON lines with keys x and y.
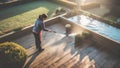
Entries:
{"x":43,"y":17}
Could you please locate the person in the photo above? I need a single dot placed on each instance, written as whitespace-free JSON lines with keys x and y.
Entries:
{"x":37,"y":30}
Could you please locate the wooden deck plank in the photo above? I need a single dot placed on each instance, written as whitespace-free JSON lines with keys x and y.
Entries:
{"x":97,"y":56}
{"x":71,"y":62}
{"x":26,"y":41}
{"x":111,"y":62}
{"x":117,"y":65}
{"x":84,"y":55}
{"x":60,"y":52}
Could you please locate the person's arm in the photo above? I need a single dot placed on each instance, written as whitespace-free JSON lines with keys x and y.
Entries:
{"x":44,"y":28}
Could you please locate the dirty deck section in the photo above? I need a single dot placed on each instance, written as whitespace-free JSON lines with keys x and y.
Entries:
{"x":60,"y":52}
{"x":27,"y":41}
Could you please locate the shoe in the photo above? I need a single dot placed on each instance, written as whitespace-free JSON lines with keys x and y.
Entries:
{"x":40,"y":50}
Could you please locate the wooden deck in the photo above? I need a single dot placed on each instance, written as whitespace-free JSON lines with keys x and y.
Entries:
{"x":60,"y":52}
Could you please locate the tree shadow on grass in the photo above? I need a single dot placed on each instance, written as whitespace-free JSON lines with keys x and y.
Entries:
{"x":34,"y":55}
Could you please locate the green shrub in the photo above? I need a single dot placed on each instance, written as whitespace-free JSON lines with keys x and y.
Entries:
{"x":86,"y":34}
{"x":80,"y":38}
{"x":60,"y":10}
{"x":12,"y":55}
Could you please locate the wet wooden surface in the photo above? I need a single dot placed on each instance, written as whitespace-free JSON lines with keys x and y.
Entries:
{"x":60,"y":52}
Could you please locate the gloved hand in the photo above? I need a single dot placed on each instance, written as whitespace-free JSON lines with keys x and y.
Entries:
{"x":54,"y":31}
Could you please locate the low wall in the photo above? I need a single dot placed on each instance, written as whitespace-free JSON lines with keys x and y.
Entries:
{"x":13,"y":3}
{"x":110,"y":45}
{"x":65,"y":3}
{"x":90,"y":5}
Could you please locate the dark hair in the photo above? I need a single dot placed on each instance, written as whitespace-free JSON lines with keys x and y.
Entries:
{"x":43,"y":16}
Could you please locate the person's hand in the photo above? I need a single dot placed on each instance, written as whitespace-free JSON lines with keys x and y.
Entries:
{"x":54,"y":31}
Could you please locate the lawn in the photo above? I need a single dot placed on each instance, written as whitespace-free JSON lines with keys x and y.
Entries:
{"x":24,"y":15}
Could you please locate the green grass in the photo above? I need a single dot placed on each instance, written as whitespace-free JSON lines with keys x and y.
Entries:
{"x":24,"y":15}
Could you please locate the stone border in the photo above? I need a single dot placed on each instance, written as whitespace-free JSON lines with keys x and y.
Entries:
{"x":86,"y":29}
{"x":110,"y":45}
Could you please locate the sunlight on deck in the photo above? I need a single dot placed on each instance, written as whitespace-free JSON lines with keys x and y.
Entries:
{"x":60,"y":52}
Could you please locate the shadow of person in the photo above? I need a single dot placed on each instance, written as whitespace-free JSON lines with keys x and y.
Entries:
{"x":34,"y":55}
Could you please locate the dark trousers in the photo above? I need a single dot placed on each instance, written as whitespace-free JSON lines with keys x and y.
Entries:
{"x":38,"y":40}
